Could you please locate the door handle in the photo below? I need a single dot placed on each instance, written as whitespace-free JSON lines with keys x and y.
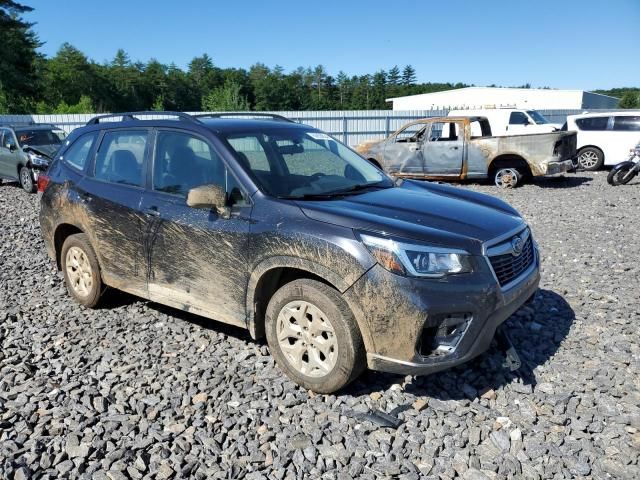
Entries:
{"x":152,"y":211}
{"x":454,"y":148}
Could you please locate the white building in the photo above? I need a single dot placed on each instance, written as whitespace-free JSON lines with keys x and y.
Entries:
{"x":493,"y":97}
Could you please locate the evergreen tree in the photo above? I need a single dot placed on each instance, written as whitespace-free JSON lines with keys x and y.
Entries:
{"x":630,"y":100}
{"x":393,"y":76}
{"x":408,"y":75}
{"x":18,"y":57}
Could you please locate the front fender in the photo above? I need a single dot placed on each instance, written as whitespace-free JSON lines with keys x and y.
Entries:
{"x":283,"y":261}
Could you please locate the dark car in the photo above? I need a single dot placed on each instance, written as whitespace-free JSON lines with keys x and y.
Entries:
{"x":25,"y":152}
{"x":279,"y":228}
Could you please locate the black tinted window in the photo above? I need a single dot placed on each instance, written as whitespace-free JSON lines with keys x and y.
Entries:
{"x":627,"y":123}
{"x":120,"y":157}
{"x":183,"y":161}
{"x":78,"y":153}
{"x":592,"y":123}
{"x":518,"y":118}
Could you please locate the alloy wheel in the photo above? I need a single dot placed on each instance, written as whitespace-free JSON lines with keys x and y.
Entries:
{"x":588,"y":159}
{"x":307,"y":339}
{"x":507,"y":178}
{"x":79,"y":271}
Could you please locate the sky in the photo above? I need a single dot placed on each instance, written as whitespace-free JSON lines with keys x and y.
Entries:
{"x":574,"y":44}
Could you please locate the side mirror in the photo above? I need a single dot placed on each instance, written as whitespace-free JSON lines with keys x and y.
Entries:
{"x":11,"y":146}
{"x":209,"y":196}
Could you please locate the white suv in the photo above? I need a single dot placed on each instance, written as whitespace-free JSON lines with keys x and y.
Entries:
{"x":604,"y":138}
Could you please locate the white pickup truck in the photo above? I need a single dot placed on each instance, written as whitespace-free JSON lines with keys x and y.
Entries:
{"x":511,"y":121}
{"x":459,"y":148}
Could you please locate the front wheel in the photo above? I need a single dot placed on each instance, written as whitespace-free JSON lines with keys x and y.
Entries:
{"x":507,"y":177}
{"x":622,"y":174}
{"x":26,"y":180}
{"x":313,"y":336}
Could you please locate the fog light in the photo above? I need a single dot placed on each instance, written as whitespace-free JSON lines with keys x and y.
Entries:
{"x":444,"y":337}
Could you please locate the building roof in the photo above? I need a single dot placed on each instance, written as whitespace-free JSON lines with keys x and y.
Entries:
{"x":502,"y":89}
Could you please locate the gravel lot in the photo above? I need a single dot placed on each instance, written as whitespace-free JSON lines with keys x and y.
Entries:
{"x":137,"y":390}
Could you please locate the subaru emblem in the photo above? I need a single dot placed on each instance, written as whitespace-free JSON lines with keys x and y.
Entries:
{"x":517,"y":245}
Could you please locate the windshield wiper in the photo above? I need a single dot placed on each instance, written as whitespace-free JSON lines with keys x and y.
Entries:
{"x":336,"y":193}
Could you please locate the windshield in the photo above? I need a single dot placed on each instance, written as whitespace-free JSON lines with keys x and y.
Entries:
{"x":537,"y":117}
{"x":297,"y":163}
{"x":38,"y":137}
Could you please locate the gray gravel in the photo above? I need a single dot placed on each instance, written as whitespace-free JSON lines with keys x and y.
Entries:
{"x":135,"y":390}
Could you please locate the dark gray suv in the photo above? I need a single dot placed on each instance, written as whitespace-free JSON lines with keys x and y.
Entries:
{"x":279,"y":228}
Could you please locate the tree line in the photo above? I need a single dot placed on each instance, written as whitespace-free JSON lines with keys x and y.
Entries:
{"x":70,"y":82}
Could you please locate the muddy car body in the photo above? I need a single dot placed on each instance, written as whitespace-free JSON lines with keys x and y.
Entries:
{"x":459,"y":148}
{"x":293,"y":236}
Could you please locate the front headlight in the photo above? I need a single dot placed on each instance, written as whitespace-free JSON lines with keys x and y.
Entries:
{"x":416,"y":260}
{"x":37,"y":160}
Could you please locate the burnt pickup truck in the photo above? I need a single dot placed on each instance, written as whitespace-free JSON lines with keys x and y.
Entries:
{"x":459,"y":148}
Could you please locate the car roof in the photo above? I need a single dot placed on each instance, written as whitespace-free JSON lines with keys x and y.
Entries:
{"x":231,"y":125}
{"x":216,"y":122}
{"x":35,"y":126}
{"x":628,"y":113}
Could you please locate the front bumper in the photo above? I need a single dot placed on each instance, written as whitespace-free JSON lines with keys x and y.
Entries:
{"x":398,"y":309}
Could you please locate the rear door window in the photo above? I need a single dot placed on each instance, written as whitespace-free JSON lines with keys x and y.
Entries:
{"x":592,"y":123}
{"x":443,"y":132}
{"x":77,"y":154}
{"x":627,"y":123}
{"x":120,"y":157}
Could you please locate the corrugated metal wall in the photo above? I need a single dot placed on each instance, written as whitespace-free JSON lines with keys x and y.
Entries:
{"x":350,"y":126}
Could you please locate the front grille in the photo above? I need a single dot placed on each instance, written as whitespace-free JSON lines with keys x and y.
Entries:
{"x":507,"y":267}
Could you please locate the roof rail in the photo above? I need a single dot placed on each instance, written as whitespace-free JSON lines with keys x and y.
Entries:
{"x":132,"y":116}
{"x":273,"y":116}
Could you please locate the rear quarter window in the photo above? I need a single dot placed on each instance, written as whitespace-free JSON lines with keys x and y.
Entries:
{"x":592,"y":123}
{"x":627,"y":123}
{"x":77,"y":154}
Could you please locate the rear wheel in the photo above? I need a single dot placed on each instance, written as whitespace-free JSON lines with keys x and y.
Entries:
{"x":507,"y":177}
{"x":313,"y":336}
{"x":590,"y":158}
{"x":26,"y":180}
{"x":81,"y":270}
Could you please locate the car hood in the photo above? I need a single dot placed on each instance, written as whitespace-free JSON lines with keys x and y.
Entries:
{"x":47,"y":150}
{"x":433,"y":213}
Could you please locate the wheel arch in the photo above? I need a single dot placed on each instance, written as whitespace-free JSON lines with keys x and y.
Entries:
{"x":273,"y":273}
{"x":62,"y":232}
{"x":509,"y":160}
{"x":595,"y":147}
{"x":375,"y":162}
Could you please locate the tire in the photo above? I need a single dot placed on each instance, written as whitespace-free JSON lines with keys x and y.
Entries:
{"x":590,"y":159}
{"x":620,"y":175}
{"x":81,"y":270}
{"x":507,"y":177}
{"x":26,"y":180}
{"x":290,"y":316}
